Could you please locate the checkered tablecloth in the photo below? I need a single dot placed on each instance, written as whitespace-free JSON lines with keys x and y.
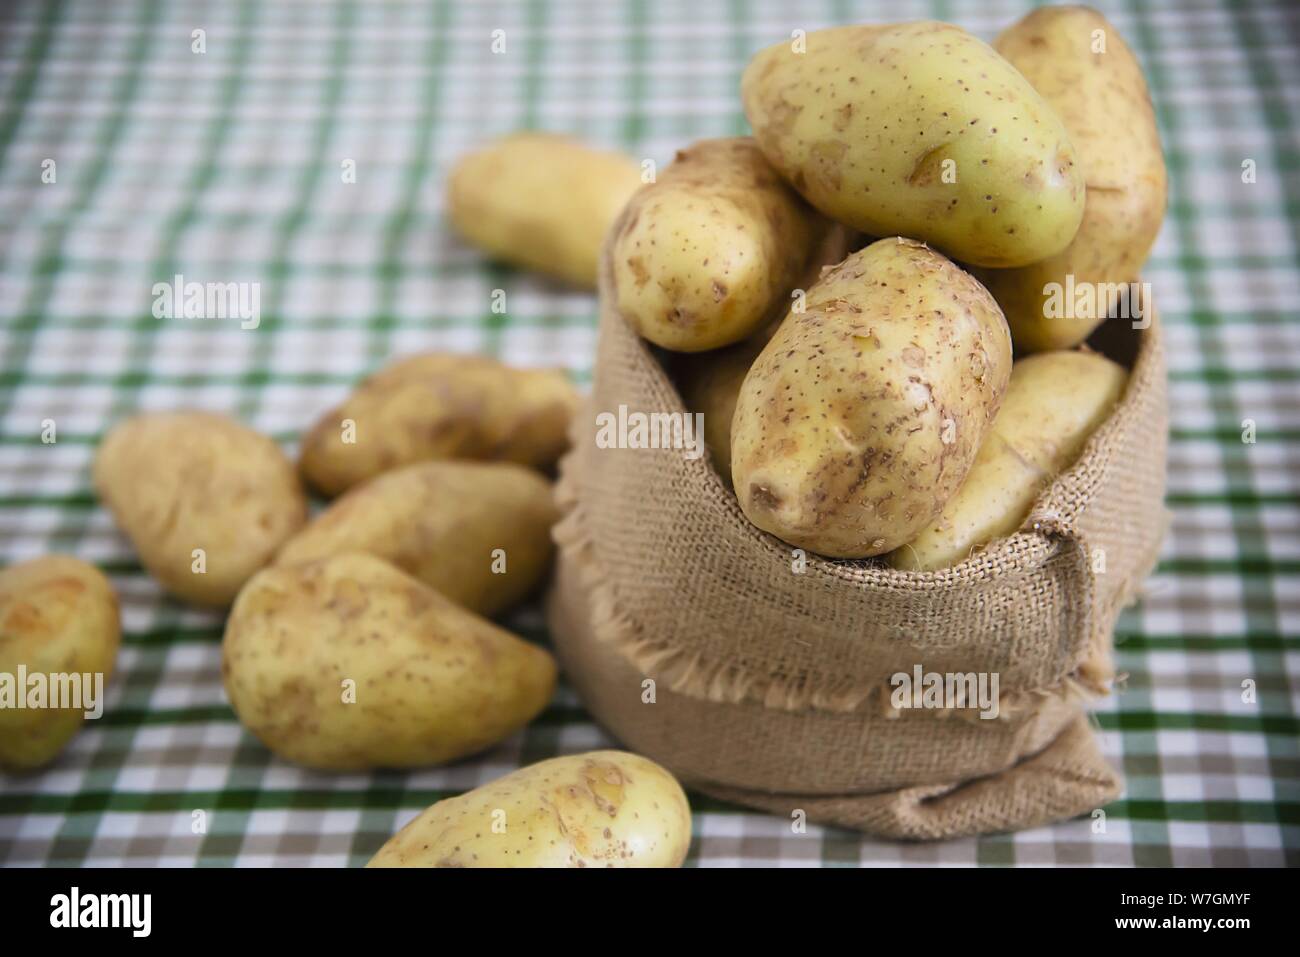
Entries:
{"x":227,"y":165}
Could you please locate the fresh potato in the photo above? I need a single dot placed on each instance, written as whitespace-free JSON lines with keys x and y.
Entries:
{"x":699,"y":258}
{"x":864,"y":413}
{"x":1103,"y":101}
{"x":712,"y":387}
{"x":710,"y":381}
{"x":348,"y":663}
{"x":918,"y":129}
{"x":478,"y":532}
{"x":205,"y":501}
{"x":1053,"y":403}
{"x":59,"y":625}
{"x":600,"y":809}
{"x":440,"y":405}
{"x":541,"y":201}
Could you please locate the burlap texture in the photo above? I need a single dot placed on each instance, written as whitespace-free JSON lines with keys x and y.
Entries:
{"x":955,"y":776}
{"x":772,"y":686}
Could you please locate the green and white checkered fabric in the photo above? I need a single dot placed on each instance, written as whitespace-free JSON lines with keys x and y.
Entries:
{"x":227,"y":166}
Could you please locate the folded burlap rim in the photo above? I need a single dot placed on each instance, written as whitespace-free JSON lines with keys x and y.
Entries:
{"x":1067,"y":778}
{"x":1062,"y":776}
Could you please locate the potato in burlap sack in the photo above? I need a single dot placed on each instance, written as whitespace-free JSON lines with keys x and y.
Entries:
{"x":772,"y":686}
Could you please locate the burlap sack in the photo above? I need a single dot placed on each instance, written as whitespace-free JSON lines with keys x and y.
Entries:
{"x":771,"y":687}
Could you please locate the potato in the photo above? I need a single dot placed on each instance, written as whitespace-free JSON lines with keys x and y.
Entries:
{"x":348,"y":664}
{"x":711,"y":387}
{"x":440,"y":405}
{"x":600,"y":809}
{"x":59,"y":635}
{"x":1102,"y":98}
{"x":699,"y":258}
{"x":478,"y":532}
{"x":541,"y":201}
{"x":1053,"y":403}
{"x":205,"y":501}
{"x":918,"y":129}
{"x":710,"y":381}
{"x":864,"y":413}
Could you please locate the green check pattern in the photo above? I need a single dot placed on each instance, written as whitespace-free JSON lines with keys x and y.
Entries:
{"x":226,"y":166}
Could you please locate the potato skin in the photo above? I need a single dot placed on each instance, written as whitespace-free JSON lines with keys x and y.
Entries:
{"x":1102,"y":99}
{"x":1060,"y":399}
{"x":710,"y":381}
{"x":440,"y":405}
{"x":600,"y":809}
{"x":57,"y":615}
{"x":1053,"y":403}
{"x":433,"y":682}
{"x":864,"y":120}
{"x":541,"y":201}
{"x":177,"y":481}
{"x":699,"y":257}
{"x":712,"y":388}
{"x":440,"y":522}
{"x":863,"y":414}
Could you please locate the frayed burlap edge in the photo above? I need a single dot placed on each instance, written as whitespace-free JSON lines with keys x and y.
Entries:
{"x":686,"y":674}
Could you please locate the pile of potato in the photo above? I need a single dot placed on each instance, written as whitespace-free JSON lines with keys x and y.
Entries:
{"x":359,"y":639}
{"x":862,"y":418}
{"x":860,"y":395}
